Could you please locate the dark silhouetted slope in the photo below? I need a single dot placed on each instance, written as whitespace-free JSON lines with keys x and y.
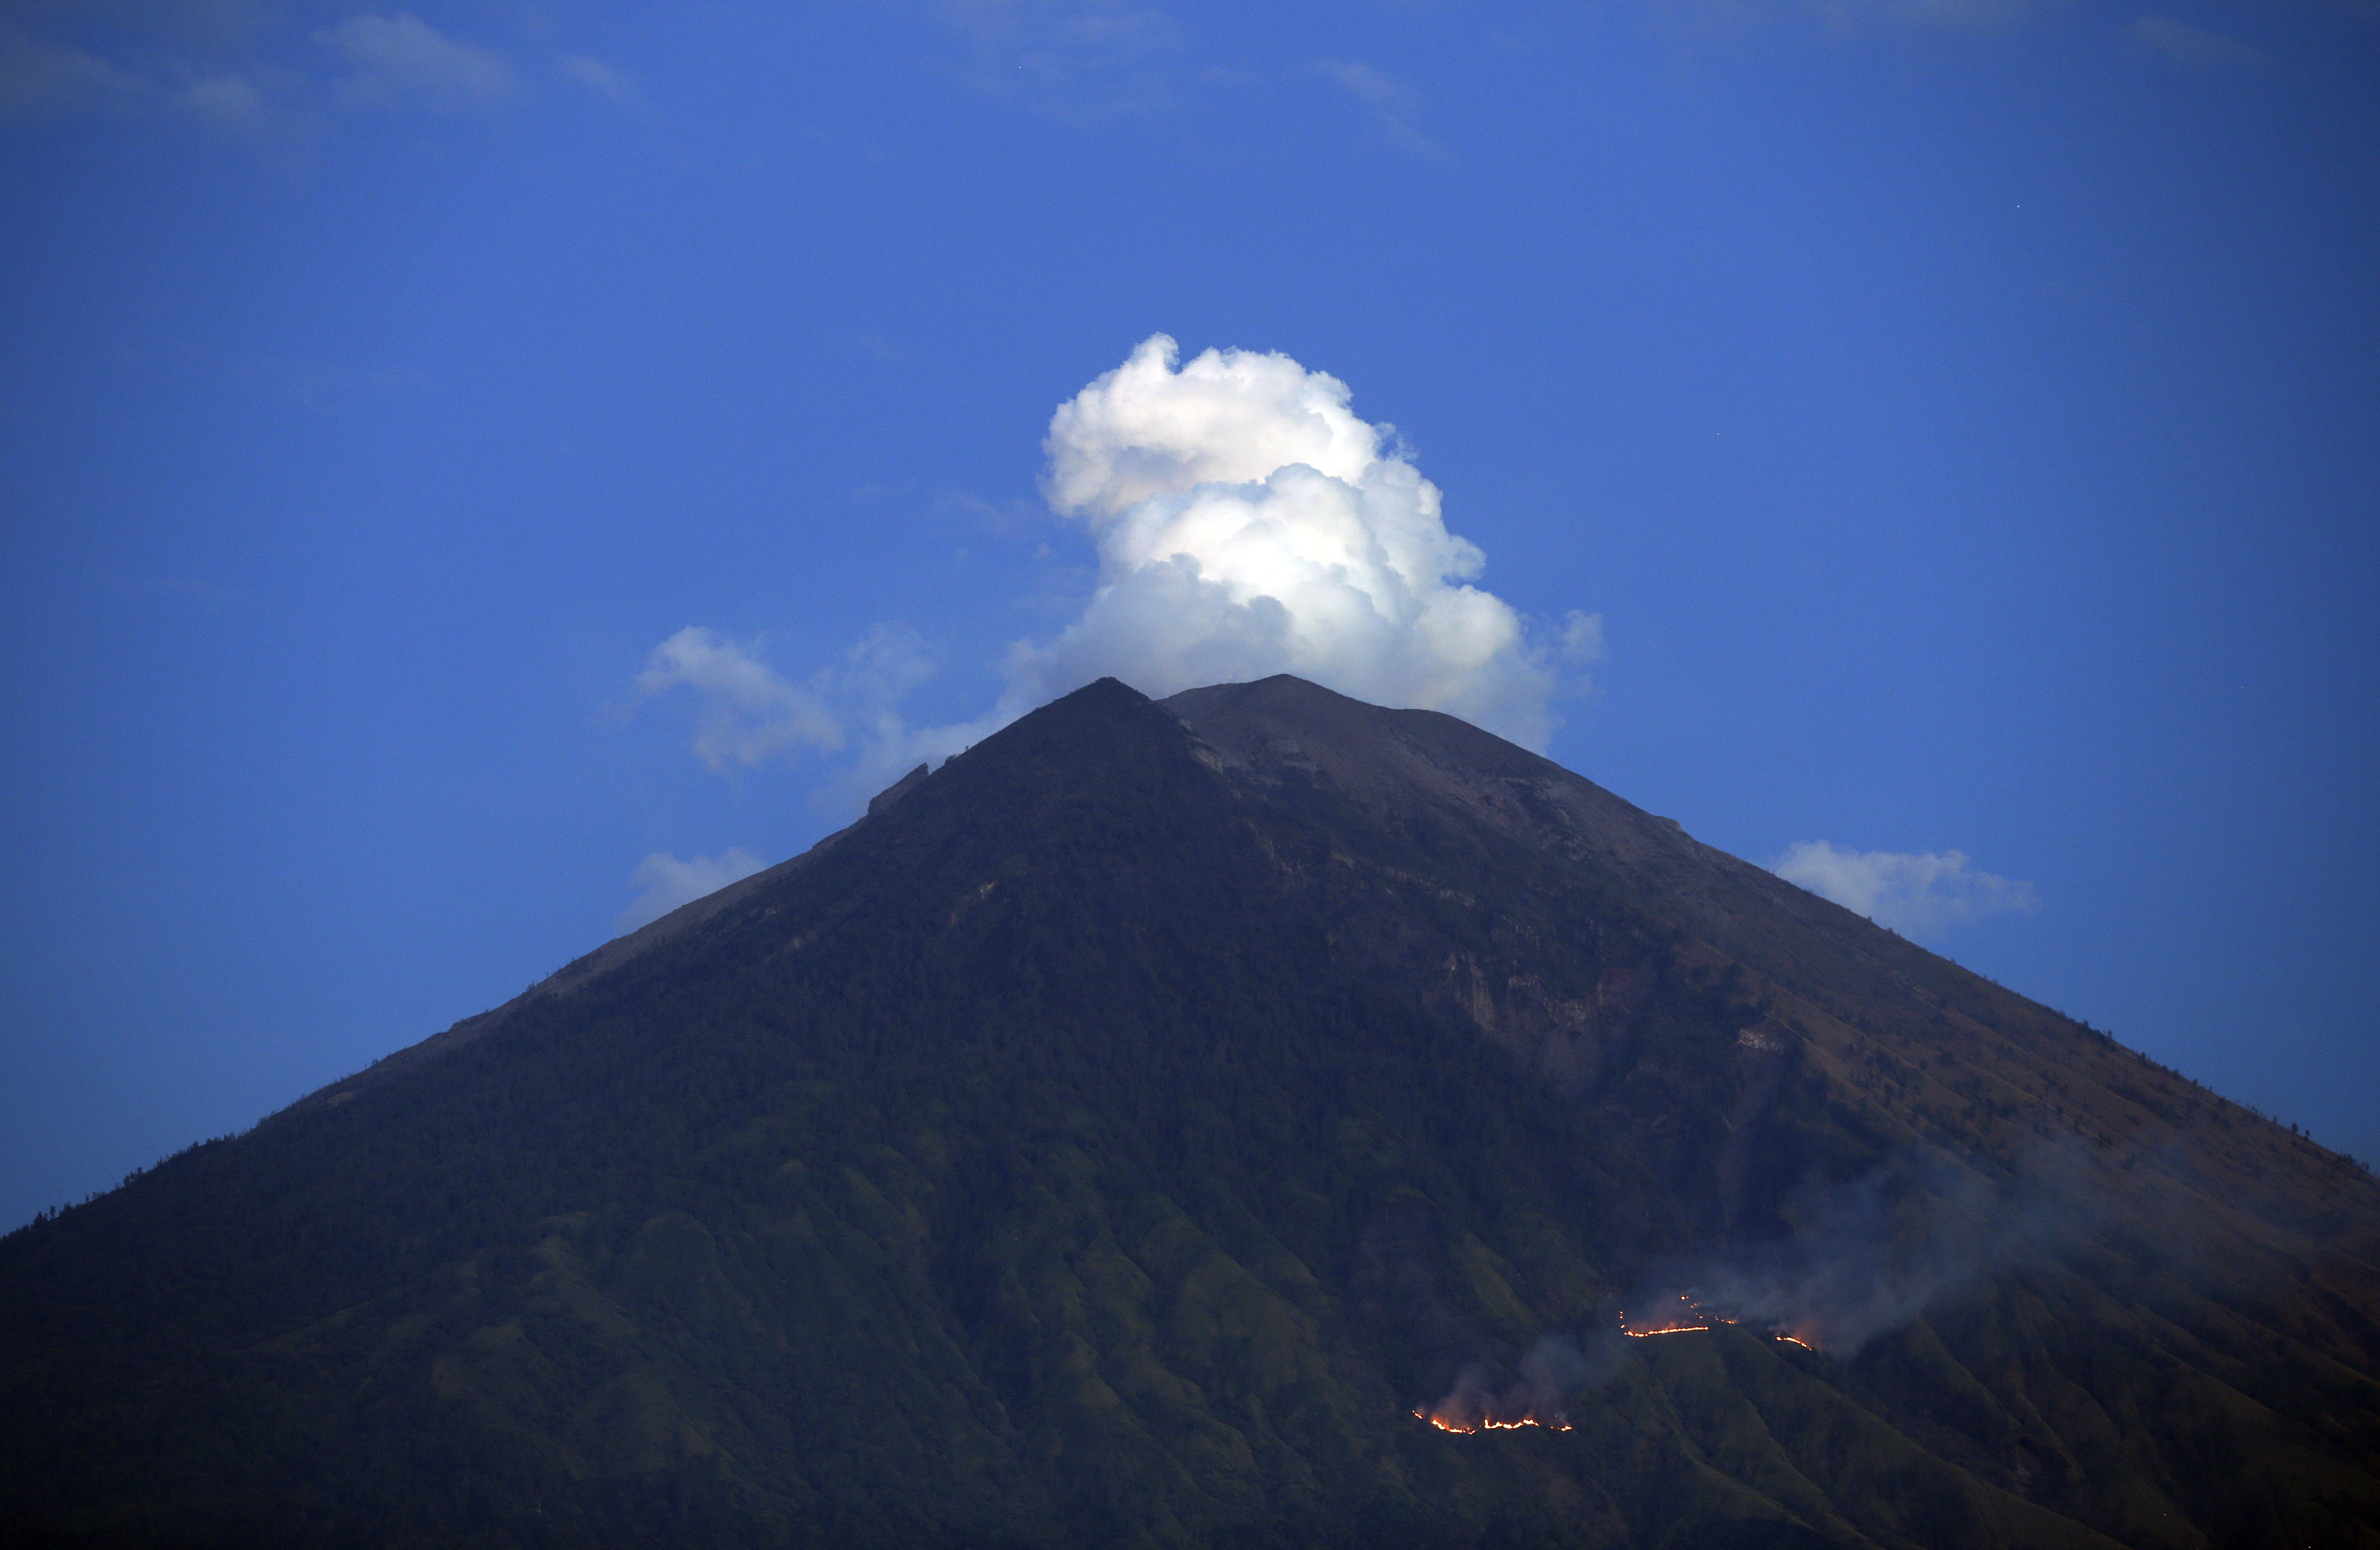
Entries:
{"x":1118,"y":1138}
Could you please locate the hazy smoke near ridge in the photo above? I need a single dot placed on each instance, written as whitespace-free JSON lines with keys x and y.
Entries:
{"x":1871,"y":1254}
{"x":668,"y":882}
{"x":1913,"y":893}
{"x":1248,"y":523}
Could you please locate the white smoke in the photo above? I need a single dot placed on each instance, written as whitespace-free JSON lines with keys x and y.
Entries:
{"x":666,"y":882}
{"x":1917,"y":894}
{"x":1247,"y":524}
{"x":1553,"y":1372}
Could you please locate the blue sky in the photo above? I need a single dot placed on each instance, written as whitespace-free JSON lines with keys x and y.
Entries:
{"x":1962,"y":417}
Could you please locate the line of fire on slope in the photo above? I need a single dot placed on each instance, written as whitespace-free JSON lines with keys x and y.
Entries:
{"x":1692,"y":1318}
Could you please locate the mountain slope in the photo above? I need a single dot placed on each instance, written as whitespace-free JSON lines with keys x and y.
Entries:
{"x":1119,"y":1137}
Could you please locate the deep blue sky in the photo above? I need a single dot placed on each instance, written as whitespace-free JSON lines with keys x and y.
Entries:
{"x":1965,"y":416}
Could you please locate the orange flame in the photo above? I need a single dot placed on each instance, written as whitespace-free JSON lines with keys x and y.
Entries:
{"x":1692,"y":1317}
{"x":1487,"y":1423}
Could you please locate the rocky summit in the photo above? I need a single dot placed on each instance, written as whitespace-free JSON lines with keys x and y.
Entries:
{"x":1254,"y":1117}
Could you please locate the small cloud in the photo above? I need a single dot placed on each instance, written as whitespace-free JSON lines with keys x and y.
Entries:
{"x":602,"y":80}
{"x":1582,"y":637}
{"x":1913,"y":893}
{"x":1392,"y":103}
{"x":37,"y":76}
{"x":666,"y":882}
{"x":402,"y":61}
{"x":749,"y":713}
{"x":2189,"y":46}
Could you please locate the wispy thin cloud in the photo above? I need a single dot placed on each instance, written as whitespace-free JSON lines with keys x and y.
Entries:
{"x":606,"y":80}
{"x":1085,"y":60}
{"x":1737,"y":19}
{"x":269,"y":72}
{"x":234,"y":103}
{"x":402,"y":61}
{"x":43,"y":76}
{"x":2189,"y":46}
{"x":1390,"y":104}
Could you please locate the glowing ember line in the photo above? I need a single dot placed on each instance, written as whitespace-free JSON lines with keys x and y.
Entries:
{"x":1803,"y":1344}
{"x":1674,"y":1329}
{"x":1693,"y":1316}
{"x":1459,"y":1429}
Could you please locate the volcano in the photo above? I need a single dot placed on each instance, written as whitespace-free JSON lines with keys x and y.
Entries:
{"x":1251,"y":1119}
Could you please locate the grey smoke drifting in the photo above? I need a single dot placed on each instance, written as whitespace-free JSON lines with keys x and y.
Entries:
{"x":1871,"y":1255}
{"x":1534,"y":1389}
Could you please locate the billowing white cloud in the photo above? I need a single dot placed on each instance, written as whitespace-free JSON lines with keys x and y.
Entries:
{"x":1248,"y":523}
{"x":1916,"y":894}
{"x":665,"y":882}
{"x":403,"y":61}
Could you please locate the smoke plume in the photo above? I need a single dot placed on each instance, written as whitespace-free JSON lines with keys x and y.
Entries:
{"x":1871,"y":1255}
{"x":1248,"y":523}
{"x":1533,"y":1391}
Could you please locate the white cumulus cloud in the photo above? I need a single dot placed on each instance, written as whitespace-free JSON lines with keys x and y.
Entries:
{"x":1916,"y":894}
{"x":1248,"y":523}
{"x":665,"y":882}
